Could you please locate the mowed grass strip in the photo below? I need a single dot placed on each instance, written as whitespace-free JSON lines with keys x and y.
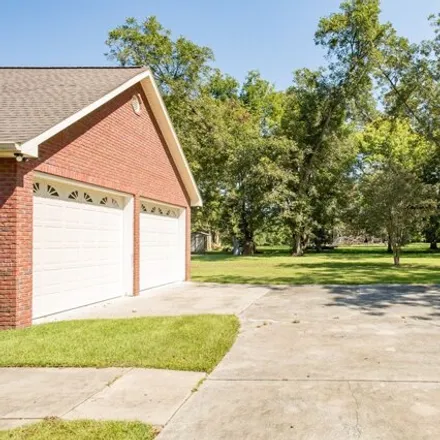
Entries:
{"x":56,"y":429}
{"x":191,"y":343}
{"x":345,"y":265}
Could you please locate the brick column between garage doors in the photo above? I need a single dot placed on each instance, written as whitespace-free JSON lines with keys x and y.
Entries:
{"x":136,"y":244}
{"x":15,"y":245}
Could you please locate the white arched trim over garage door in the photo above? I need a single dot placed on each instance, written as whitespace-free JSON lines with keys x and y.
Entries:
{"x":162,"y":244}
{"x":82,"y":245}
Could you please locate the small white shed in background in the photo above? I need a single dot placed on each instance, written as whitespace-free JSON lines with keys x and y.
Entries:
{"x":200,"y":242}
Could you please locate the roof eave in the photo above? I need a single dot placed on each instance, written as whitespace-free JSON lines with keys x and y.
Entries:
{"x":30,"y":147}
{"x":11,"y":148}
{"x":30,"y":144}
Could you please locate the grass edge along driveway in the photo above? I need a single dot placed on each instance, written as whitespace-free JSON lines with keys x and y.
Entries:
{"x":57,"y":429}
{"x":189,"y":343}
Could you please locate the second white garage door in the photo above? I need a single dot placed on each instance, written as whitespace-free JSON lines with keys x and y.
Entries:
{"x":162,"y":245}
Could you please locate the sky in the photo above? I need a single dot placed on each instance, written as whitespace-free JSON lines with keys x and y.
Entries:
{"x":274,"y":37}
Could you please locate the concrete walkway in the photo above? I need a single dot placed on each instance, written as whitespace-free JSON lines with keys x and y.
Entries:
{"x":153,"y":396}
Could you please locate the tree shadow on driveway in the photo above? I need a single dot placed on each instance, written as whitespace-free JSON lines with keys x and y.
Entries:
{"x":375,"y":300}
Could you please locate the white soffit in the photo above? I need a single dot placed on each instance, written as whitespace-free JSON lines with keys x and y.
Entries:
{"x":30,"y":148}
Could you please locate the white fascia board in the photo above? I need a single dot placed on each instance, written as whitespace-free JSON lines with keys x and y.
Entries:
{"x":145,"y":78}
{"x":29,"y":146}
{"x":30,"y":150}
{"x":160,"y":112}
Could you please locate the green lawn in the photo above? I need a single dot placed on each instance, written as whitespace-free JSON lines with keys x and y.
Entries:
{"x":194,"y":343}
{"x":345,"y":265}
{"x":56,"y":429}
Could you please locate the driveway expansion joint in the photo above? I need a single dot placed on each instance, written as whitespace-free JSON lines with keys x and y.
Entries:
{"x":357,"y":427}
{"x":186,"y":399}
{"x":107,"y":385}
{"x":240,"y":313}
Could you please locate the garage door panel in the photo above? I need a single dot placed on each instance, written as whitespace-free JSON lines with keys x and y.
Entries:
{"x":55,"y":303}
{"x":162,"y":239}
{"x":78,"y":250}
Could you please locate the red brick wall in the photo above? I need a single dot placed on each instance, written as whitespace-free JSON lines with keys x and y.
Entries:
{"x":15,"y":246}
{"x":8,"y":240}
{"x":112,"y":147}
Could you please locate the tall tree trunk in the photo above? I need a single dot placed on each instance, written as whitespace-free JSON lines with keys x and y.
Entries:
{"x":390,"y":246}
{"x":249,"y":247}
{"x":298,"y":250}
{"x":431,"y":232}
{"x":396,"y":255}
{"x":248,"y":233}
{"x":215,"y":239}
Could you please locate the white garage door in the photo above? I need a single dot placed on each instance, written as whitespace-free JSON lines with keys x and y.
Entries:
{"x":162,"y":245}
{"x":77,"y":247}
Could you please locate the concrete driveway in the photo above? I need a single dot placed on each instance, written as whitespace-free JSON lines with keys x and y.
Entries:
{"x":325,"y":363}
{"x":172,"y":300}
{"x":310,"y":362}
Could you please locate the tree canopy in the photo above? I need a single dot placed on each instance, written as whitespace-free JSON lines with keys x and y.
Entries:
{"x":352,"y":148}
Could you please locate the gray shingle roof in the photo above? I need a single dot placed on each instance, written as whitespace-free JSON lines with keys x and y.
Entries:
{"x":33,"y":100}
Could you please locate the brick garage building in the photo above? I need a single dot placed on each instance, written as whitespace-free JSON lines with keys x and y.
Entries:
{"x":100,"y":205}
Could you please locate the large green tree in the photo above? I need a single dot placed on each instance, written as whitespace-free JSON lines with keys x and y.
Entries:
{"x":256,"y":168}
{"x":228,"y":131}
{"x":319,"y":103}
{"x":395,"y":201}
{"x":178,"y":65}
{"x":193,"y":94}
{"x":409,"y":75}
{"x":318,"y":132}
